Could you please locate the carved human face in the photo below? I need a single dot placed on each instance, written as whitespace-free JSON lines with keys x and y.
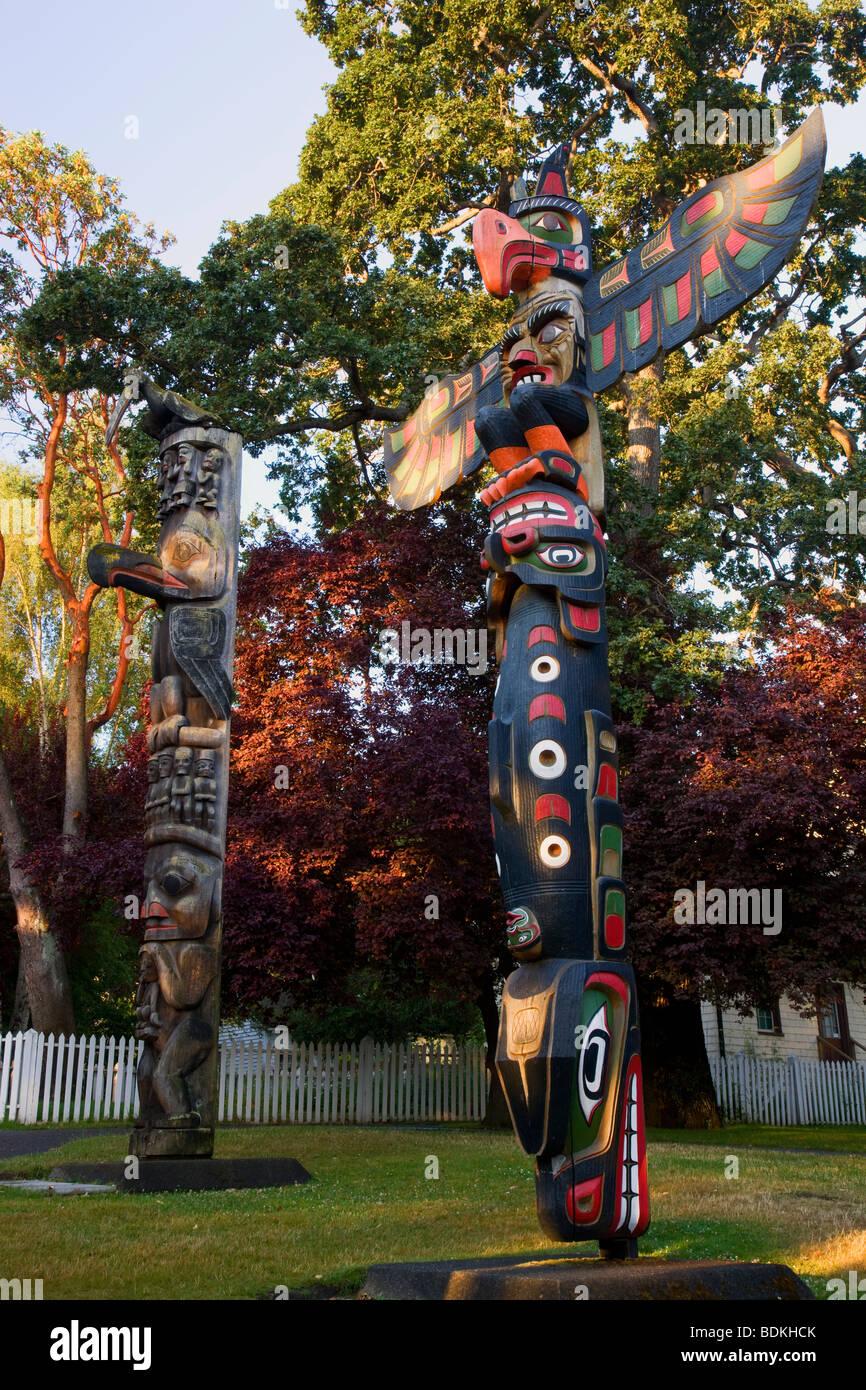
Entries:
{"x":204,"y":766}
{"x":539,"y":347}
{"x":153,"y":770}
{"x":169,"y":468}
{"x":166,"y":763}
{"x":181,"y":887}
{"x":187,"y":469}
{"x":182,"y":761}
{"x":212,"y":461}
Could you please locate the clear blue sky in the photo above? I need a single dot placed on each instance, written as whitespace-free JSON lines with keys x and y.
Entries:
{"x":223,"y":91}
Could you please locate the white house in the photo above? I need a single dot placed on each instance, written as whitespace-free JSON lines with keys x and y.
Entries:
{"x":837,"y":1034}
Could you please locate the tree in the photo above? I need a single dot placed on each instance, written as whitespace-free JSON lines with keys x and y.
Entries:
{"x":63,"y":222}
{"x":761,"y":783}
{"x":357,"y":834}
{"x":89,"y":891}
{"x":433,"y":108}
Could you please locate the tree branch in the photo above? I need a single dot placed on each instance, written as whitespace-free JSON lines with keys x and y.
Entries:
{"x":46,"y":543}
{"x":611,"y":79}
{"x":468,"y":211}
{"x":363,"y":460}
{"x":344,"y":421}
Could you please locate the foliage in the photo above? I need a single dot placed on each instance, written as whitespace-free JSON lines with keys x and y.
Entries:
{"x":102,"y":974}
{"x":383,"y":1005}
{"x":762,"y":784}
{"x":85,"y":885}
{"x":81,"y":292}
{"x":434,"y":111}
{"x":357,"y":797}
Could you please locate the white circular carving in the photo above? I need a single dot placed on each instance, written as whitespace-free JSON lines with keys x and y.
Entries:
{"x":544,"y":668}
{"x":547,"y":759}
{"x":554,"y":851}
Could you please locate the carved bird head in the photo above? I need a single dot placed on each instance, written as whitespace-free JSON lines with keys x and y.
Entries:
{"x":545,"y":235}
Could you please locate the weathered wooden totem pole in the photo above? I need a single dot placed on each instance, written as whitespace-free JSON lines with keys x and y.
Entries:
{"x":193,"y":579}
{"x":569,"y":1043}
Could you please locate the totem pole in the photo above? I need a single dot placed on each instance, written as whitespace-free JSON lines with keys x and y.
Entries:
{"x":193,"y":580}
{"x":569,"y":1044}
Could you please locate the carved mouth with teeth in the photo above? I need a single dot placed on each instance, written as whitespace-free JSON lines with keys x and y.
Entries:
{"x":531,"y":374}
{"x":531,"y":509}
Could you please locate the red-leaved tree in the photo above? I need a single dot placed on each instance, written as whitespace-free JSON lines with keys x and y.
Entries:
{"x":762,"y":785}
{"x":358,"y":821}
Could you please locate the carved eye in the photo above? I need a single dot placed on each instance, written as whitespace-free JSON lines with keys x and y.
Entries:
{"x":555,"y":851}
{"x":548,"y":225}
{"x":185,"y":551}
{"x":176,"y":883}
{"x":547,"y":759}
{"x":551,"y":223}
{"x":551,"y":332}
{"x":561,"y":557}
{"x":544,"y":668}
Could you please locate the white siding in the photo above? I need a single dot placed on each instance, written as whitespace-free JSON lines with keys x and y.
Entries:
{"x":798,"y":1038}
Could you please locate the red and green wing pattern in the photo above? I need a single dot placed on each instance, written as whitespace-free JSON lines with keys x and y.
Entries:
{"x":437,"y":447}
{"x":720,"y":247}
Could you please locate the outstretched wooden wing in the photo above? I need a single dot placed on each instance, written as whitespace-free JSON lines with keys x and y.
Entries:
{"x":198,"y":644}
{"x":722,"y":245}
{"x":437,"y":447}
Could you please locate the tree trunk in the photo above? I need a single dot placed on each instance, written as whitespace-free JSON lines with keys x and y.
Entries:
{"x":496,"y":1115}
{"x":644,"y":435}
{"x":20,"y":1020}
{"x":677,"y":1082}
{"x":75,"y":800}
{"x":43,"y":961}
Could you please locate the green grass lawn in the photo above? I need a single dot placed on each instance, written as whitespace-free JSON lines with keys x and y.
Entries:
{"x":370,"y":1202}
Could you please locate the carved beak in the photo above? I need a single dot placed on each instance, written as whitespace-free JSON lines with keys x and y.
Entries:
{"x":508,"y":256}
{"x":112,"y":566}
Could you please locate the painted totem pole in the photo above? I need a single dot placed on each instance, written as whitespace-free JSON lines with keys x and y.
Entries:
{"x":193,"y":580}
{"x":569,"y":1043}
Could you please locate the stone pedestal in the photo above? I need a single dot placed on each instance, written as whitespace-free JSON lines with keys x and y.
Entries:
{"x":506,"y":1278}
{"x":187,"y":1174}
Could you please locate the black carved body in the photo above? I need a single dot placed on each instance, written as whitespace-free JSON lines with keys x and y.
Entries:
{"x":569,"y":1045}
{"x":539,"y":760}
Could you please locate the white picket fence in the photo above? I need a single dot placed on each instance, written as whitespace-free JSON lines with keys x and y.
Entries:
{"x":45,"y":1080}
{"x":48,"y":1080}
{"x":795,"y":1091}
{"x":62,"y":1080}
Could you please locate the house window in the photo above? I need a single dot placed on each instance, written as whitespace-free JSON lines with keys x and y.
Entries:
{"x":829,"y":1020}
{"x":769,"y":1020}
